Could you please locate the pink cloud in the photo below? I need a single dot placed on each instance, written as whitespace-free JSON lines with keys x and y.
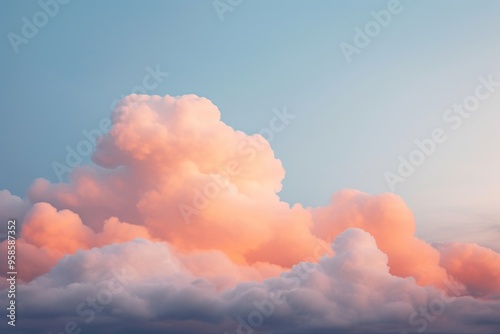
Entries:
{"x":192,"y":205}
{"x":351,"y":290}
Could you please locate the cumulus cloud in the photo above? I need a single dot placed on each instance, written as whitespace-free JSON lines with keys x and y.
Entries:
{"x":190,"y":207}
{"x":11,"y":206}
{"x":471,"y":264}
{"x":352,"y":290}
{"x":392,"y":224}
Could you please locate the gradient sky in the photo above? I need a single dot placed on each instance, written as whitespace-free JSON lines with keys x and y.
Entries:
{"x":353,"y":120}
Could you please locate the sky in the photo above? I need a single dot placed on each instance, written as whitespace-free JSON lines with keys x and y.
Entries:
{"x":367,"y":137}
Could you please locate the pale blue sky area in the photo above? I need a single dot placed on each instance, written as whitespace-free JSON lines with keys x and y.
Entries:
{"x":353,"y":118}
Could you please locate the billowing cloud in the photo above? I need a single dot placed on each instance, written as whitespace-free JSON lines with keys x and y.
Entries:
{"x":190,"y":207}
{"x":11,"y":206}
{"x":392,"y":224}
{"x":351,"y":291}
{"x":471,"y":264}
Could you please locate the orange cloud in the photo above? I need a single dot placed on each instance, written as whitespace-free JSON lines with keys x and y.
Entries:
{"x":476,"y":267}
{"x":170,"y":170}
{"x":391,"y":222}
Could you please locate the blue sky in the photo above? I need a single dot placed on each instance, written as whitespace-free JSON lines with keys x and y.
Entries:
{"x":352,"y":121}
